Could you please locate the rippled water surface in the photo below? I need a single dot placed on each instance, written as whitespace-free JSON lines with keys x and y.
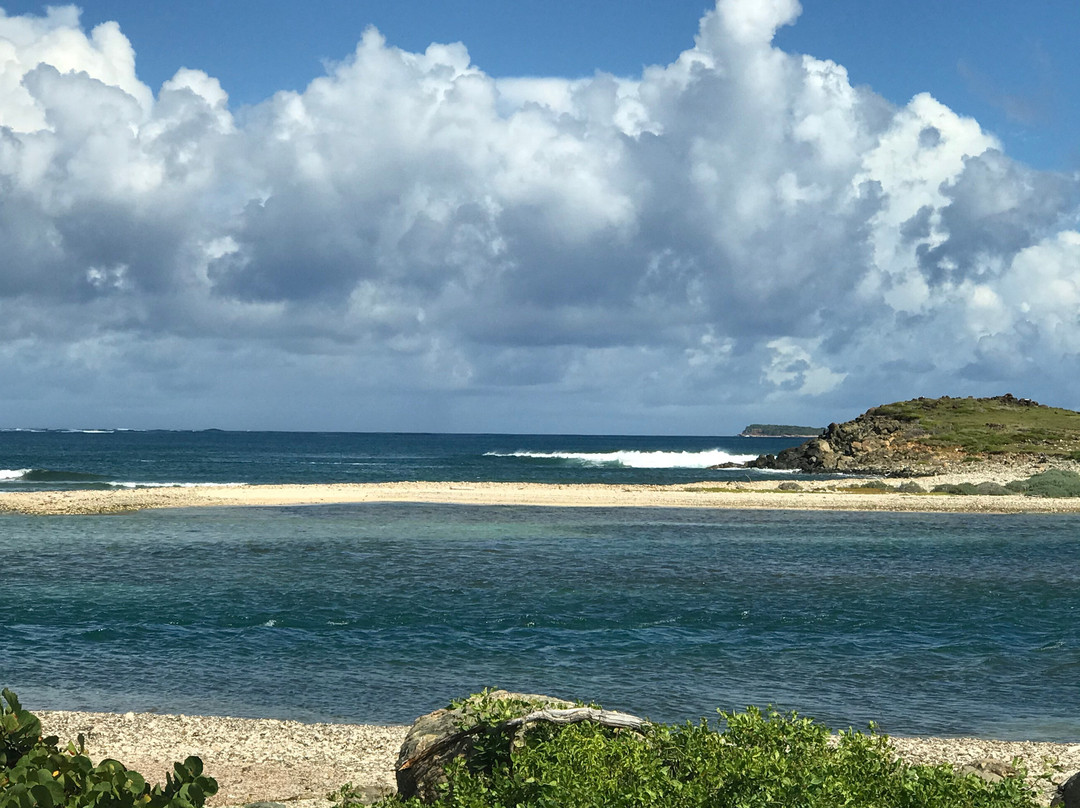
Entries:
{"x":927,"y":624}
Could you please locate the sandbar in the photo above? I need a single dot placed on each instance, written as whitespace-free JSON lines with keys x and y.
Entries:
{"x":833,"y":494}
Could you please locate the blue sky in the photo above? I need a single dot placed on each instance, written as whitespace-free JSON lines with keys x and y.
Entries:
{"x":1013,"y":66}
{"x":591,"y":217}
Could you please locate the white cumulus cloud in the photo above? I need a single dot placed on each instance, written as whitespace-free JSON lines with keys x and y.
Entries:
{"x":739,"y":229}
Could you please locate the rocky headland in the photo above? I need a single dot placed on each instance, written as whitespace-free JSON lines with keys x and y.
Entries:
{"x":780,"y":431}
{"x":924,"y":437}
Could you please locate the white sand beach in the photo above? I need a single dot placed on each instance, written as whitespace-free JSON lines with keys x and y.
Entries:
{"x":833,"y":494}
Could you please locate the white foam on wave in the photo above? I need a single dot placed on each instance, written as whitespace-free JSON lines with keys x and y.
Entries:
{"x":13,"y":474}
{"x":639,"y":460}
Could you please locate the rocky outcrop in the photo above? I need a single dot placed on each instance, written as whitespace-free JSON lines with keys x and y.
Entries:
{"x":870,"y":444}
{"x":934,"y":435}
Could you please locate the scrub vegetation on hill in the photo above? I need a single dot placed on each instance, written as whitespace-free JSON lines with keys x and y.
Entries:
{"x":926,"y":436}
{"x":1004,"y":424}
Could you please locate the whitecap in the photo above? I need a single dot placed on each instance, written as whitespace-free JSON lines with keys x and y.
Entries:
{"x":636,"y":459}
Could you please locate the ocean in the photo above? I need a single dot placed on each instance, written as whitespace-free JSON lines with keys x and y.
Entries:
{"x":927,"y":624}
{"x":36,"y":460}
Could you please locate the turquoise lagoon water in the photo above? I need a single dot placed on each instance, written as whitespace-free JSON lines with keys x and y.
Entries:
{"x":942,"y":624}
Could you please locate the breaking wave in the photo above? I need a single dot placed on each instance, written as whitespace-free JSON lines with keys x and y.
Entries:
{"x":635,"y":459}
{"x":49,"y":476}
{"x":77,"y":479}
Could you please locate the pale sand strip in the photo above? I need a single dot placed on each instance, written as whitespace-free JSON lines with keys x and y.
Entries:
{"x":816,"y":495}
{"x":286,"y":761}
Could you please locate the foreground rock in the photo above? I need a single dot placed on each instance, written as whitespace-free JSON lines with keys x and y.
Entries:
{"x":1068,"y":793}
{"x":494,"y":720}
{"x":436,"y":739}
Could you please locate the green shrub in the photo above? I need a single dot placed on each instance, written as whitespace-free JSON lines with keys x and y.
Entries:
{"x":1052,"y":483}
{"x":987,"y":489}
{"x":910,"y":487}
{"x":874,"y":485}
{"x":35,"y":773}
{"x":962,"y":489}
{"x":867,"y":487}
{"x":758,"y":760}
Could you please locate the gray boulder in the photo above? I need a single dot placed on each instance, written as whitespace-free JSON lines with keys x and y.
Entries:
{"x":1068,"y":793}
{"x":991,"y":770}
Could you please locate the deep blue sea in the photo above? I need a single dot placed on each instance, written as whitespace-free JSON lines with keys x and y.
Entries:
{"x":943,"y":624}
{"x":110,"y":458}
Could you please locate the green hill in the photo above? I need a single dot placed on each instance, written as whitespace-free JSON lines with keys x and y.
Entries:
{"x":1003,"y":424}
{"x":931,"y":435}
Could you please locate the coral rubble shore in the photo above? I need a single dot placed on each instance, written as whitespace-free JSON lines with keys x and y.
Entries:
{"x":252,"y":759}
{"x":286,"y":761}
{"x":834,"y":494}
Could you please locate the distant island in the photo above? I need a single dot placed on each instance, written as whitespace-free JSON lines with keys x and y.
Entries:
{"x":927,"y":436}
{"x":781,"y":431}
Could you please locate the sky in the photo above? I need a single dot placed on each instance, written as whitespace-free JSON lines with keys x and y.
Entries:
{"x":661,"y":217}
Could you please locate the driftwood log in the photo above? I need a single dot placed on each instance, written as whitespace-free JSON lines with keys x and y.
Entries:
{"x":437,"y":738}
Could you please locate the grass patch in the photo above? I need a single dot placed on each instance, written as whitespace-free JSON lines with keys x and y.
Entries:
{"x":868,"y":487}
{"x":716,"y":489}
{"x":991,"y":425}
{"x":859,"y":490}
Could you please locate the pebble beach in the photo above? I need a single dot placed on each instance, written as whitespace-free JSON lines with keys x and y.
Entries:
{"x":260,"y":760}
